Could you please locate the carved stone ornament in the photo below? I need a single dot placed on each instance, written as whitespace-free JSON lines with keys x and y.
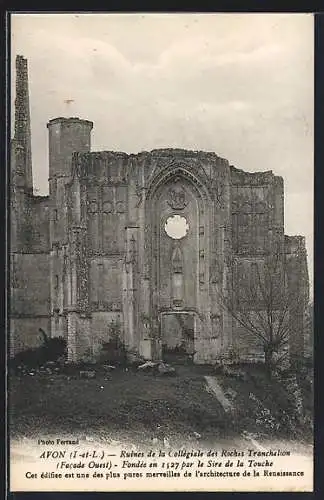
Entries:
{"x":218,"y":188}
{"x":216,"y":272}
{"x":93,"y":207}
{"x":107,"y":207}
{"x":177,"y":198}
{"x":120,"y":209}
{"x":140,"y":191}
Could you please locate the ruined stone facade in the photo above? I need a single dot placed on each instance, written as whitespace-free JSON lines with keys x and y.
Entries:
{"x":95,"y":252}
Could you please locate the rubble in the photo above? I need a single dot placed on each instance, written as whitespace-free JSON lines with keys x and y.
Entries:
{"x":147,"y":366}
{"x":230,"y":393}
{"x":88,"y":374}
{"x":157,"y":367}
{"x":109,"y":368}
{"x":165,"y":369}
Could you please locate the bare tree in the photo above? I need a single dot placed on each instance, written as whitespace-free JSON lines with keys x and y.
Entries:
{"x":260,"y":299}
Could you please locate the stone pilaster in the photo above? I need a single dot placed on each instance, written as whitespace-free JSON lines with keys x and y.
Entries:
{"x":72,"y":322}
{"x":130,"y":291}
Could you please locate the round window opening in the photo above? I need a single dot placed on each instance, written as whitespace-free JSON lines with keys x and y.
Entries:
{"x":176,"y":227}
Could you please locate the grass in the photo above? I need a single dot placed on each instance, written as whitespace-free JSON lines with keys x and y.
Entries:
{"x":139,"y":405}
{"x":128,"y":401}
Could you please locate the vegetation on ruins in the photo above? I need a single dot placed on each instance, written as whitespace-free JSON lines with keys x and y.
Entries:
{"x":50,"y":350}
{"x":113,"y":351}
{"x":261,"y":301}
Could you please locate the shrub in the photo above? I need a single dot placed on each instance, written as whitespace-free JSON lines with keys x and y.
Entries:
{"x":229,"y":355}
{"x":263,"y":415}
{"x":54,"y":349}
{"x":29,"y":359}
{"x":51,"y":349}
{"x":113,"y":351}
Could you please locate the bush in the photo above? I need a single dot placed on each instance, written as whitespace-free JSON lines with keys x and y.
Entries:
{"x":51,"y":349}
{"x":54,"y":348}
{"x":113,"y":351}
{"x":29,"y":358}
{"x":229,"y":356}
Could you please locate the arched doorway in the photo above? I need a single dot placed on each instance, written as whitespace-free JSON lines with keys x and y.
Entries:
{"x":177,"y":336}
{"x":179,"y":215}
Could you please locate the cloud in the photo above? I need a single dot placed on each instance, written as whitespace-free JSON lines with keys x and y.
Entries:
{"x":239,"y":85}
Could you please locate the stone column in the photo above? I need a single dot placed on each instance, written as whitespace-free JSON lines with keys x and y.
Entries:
{"x":130,"y":289}
{"x":72,"y":336}
{"x":72,"y":307}
{"x":226,"y":256}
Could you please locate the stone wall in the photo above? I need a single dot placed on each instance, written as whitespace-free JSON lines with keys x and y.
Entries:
{"x":239,"y":215}
{"x":298,"y":287}
{"x":248,"y":347}
{"x":30,"y":284}
{"x":38,"y":224}
{"x":100,"y":328}
{"x":29,"y":301}
{"x":30,"y":271}
{"x":105,"y":284}
{"x":309,"y":332}
{"x":24,"y":332}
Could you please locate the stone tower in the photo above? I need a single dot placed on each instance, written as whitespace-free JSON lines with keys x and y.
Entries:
{"x":29,"y":242}
{"x":66,"y":136}
{"x":21,"y":161}
{"x":22,"y":121}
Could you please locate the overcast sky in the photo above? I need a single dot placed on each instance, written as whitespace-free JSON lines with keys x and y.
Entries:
{"x":239,"y":85}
